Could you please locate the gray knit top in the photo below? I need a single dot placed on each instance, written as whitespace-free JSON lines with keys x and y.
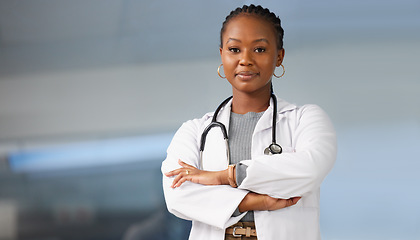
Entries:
{"x":241,"y":128}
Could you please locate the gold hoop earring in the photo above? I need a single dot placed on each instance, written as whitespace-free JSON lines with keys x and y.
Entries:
{"x":218,"y":71}
{"x":284,"y":71}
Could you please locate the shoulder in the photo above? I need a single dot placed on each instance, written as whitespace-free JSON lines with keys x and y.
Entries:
{"x":194,"y":126}
{"x":307,"y":114}
{"x":186,"y":140}
{"x":284,"y":107}
{"x":313,"y":111}
{"x":198,"y":122}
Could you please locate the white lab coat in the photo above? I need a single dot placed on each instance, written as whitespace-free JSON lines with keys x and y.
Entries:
{"x":309,"y":151}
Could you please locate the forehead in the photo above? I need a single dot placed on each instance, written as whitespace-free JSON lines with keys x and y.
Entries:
{"x":249,"y":27}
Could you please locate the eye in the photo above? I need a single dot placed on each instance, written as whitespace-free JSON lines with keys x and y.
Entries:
{"x":234,"y":49}
{"x":260,"y":50}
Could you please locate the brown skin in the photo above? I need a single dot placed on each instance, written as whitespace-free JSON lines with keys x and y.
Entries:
{"x":249,"y":56}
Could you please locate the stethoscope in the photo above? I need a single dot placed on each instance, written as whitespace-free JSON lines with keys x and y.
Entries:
{"x":273,"y":148}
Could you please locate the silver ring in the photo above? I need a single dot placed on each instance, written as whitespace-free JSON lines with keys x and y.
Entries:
{"x":187,"y":172}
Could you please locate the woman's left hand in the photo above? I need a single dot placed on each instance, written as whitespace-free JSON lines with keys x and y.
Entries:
{"x":195,"y":175}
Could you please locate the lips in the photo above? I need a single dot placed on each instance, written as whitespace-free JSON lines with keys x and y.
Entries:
{"x":246,"y":75}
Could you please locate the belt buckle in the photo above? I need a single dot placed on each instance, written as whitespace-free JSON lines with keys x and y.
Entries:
{"x":234,"y":231}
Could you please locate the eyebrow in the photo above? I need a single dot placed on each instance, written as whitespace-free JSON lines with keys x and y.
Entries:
{"x":237,"y":40}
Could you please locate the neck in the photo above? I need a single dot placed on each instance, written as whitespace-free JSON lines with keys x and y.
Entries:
{"x":244,"y":103}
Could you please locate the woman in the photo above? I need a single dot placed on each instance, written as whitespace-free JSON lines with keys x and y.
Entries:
{"x":267,"y":185}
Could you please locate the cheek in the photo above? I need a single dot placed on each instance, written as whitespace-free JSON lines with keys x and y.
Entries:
{"x":228,"y":66}
{"x":268,"y":66}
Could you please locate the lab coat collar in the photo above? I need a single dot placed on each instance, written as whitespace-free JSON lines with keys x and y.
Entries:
{"x":282,"y":106}
{"x":266,"y":120}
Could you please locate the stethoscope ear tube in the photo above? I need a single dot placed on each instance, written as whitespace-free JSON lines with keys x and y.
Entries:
{"x":214,"y":119}
{"x":204,"y":136}
{"x":207,"y":130}
{"x":273,"y":132}
{"x":215,"y":123}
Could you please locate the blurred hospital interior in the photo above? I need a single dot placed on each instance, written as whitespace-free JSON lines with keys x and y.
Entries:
{"x":92,"y":91}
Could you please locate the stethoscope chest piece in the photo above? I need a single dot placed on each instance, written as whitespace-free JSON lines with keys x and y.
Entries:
{"x":274,"y":148}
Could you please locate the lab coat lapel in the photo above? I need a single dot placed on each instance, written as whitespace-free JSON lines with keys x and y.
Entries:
{"x":266,"y":120}
{"x":263,"y":128}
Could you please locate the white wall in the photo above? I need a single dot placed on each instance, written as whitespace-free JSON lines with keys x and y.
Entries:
{"x":118,"y":100}
{"x":355,"y":83}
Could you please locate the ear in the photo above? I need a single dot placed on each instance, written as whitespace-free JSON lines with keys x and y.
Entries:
{"x":221,"y":51}
{"x":280,"y":57}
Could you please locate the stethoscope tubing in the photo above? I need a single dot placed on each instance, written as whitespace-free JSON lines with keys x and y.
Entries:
{"x":274,"y":148}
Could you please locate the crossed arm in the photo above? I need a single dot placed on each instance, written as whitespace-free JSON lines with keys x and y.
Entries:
{"x":252,"y":201}
{"x":290,"y":174}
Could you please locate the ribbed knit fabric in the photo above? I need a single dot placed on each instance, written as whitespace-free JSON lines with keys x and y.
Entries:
{"x":241,"y":128}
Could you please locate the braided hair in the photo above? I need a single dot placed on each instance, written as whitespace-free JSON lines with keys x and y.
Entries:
{"x":259,"y":11}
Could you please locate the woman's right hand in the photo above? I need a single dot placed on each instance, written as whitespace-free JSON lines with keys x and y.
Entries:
{"x":262,"y":202}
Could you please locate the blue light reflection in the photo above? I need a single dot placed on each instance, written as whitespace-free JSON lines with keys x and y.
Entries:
{"x":91,"y":154}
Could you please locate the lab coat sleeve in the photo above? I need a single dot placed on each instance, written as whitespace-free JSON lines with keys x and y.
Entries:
{"x":213,"y":205}
{"x":301,"y":171}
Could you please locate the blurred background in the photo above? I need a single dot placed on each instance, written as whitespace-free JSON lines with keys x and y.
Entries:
{"x":91,"y":92}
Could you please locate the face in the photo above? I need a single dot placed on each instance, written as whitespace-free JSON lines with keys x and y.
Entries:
{"x":249,"y":54}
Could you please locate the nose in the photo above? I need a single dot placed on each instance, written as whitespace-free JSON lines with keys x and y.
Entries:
{"x":246,"y":58}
